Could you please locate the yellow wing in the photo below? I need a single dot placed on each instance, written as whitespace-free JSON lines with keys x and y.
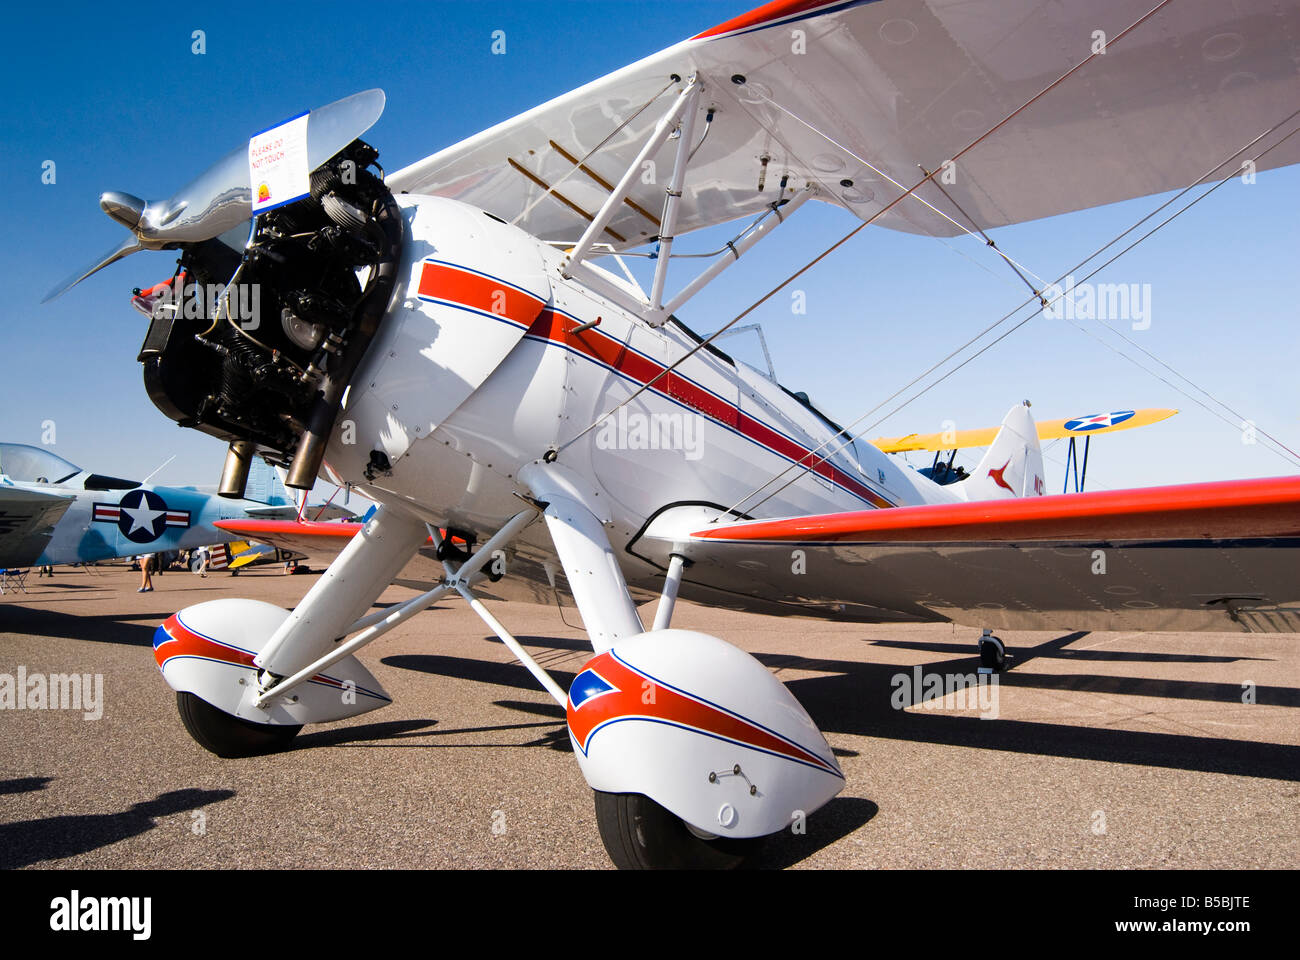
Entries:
{"x":1047,"y":430}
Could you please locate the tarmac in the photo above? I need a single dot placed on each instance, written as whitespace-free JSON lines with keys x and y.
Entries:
{"x":1095,"y":750}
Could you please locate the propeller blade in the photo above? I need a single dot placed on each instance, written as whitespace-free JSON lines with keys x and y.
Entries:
{"x":127,"y":246}
{"x":220,"y":198}
{"x":334,"y":126}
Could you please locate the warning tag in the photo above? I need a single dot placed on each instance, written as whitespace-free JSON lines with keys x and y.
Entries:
{"x":277,"y":164}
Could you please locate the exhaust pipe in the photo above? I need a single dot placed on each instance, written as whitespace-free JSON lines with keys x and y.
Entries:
{"x":234,"y":474}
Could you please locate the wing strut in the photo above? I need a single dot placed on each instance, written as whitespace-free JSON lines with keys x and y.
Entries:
{"x":374,"y":625}
{"x":673,"y":580}
{"x":672,"y":199}
{"x":781,"y":209}
{"x":1072,"y":459}
{"x":686,"y":99}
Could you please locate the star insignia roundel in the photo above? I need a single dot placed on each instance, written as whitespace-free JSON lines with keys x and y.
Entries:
{"x":143,"y":516}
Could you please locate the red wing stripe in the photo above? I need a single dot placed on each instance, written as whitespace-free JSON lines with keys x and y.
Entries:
{"x":772,"y":13}
{"x":1228,"y":509}
{"x":298,"y":528}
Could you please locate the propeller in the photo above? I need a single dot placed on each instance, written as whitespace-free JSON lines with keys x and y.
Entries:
{"x":220,"y":197}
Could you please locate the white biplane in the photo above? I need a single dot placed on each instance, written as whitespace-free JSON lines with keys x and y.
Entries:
{"x":445,"y":340}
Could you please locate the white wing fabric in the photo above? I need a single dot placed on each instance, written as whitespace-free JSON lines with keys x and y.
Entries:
{"x":1203,"y":556}
{"x":27,"y":521}
{"x":872,"y":91}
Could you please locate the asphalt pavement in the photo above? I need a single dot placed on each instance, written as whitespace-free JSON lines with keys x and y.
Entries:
{"x":1096,"y":750}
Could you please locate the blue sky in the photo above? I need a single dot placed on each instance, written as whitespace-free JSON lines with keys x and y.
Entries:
{"x":118,"y":100}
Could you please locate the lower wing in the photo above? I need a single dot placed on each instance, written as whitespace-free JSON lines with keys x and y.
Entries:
{"x":27,"y":521}
{"x":319,"y":540}
{"x":1207,"y":556}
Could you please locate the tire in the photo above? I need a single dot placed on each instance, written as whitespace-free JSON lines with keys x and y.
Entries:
{"x":639,"y":834}
{"x":227,"y":736}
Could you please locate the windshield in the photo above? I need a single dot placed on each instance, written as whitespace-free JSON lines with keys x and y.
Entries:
{"x":27,"y":464}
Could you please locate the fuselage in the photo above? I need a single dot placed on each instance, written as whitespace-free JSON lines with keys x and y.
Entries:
{"x":478,"y":370}
{"x":103,"y":524}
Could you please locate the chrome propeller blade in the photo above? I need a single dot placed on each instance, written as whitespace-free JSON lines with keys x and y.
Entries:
{"x":220,"y":198}
{"x":127,"y":246}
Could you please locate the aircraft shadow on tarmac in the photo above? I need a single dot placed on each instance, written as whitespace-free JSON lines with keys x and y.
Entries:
{"x":481,"y":671}
{"x":840,"y":817}
{"x":41,"y":584}
{"x":1109,"y":656}
{"x":28,"y":842}
{"x":362,"y":734}
{"x":853,"y":697}
{"x":390,"y":734}
{"x":23,"y":785}
{"x":98,"y":628}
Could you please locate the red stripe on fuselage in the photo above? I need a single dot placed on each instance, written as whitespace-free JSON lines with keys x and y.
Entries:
{"x":557,"y":328}
{"x":442,"y":282}
{"x":439,"y":281}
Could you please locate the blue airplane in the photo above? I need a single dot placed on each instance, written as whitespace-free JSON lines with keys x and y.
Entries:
{"x":52,"y":511}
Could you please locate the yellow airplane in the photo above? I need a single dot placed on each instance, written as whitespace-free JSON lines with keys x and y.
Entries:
{"x":1076,"y":465}
{"x":1047,"y":430}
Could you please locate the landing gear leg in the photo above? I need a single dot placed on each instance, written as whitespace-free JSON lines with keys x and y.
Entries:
{"x":993,"y":654}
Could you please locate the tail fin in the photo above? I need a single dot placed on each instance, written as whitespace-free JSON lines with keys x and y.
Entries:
{"x":1013,"y":465}
{"x":264,"y":485}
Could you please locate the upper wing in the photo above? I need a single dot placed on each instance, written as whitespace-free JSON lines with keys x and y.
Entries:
{"x":1047,"y":430}
{"x":1214,"y":556}
{"x":27,"y":521}
{"x":868,"y":91}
